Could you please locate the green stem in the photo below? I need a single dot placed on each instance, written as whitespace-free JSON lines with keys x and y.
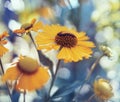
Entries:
{"x":6,"y":82}
{"x":89,"y":74}
{"x":93,"y":67}
{"x":24,"y":93}
{"x":91,"y":97}
{"x":32,"y":40}
{"x":91,"y":70}
{"x":53,"y":80}
{"x":1,"y":66}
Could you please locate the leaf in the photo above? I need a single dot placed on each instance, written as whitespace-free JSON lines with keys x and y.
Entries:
{"x":46,"y":61}
{"x":65,"y":90}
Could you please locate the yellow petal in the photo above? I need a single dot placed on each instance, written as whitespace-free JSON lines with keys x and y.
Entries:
{"x":12,"y":73}
{"x":37,"y":80}
{"x":5,"y":34}
{"x":83,"y":38}
{"x":37,"y":26}
{"x":85,"y":52}
{"x":33,"y":21}
{"x":3,"y":50}
{"x":74,"y":54}
{"x":3,"y":42}
{"x":86,"y":43}
{"x":43,"y":39}
{"x":17,"y":31}
{"x":65,"y":54}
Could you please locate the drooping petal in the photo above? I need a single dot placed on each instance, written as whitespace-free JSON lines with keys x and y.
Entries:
{"x":33,"y":81}
{"x":12,"y":73}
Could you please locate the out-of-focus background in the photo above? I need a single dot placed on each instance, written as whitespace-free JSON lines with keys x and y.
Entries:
{"x":100,"y":19}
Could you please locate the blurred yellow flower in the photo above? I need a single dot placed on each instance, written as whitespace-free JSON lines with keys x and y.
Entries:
{"x":3,"y":41}
{"x":27,"y":27}
{"x":46,"y":12}
{"x":72,"y":45}
{"x":115,"y":5}
{"x":28,"y":74}
{"x":26,"y":15}
{"x":103,"y":89}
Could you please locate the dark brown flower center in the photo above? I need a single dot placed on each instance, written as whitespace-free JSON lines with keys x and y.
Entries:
{"x":28,"y":65}
{"x":27,"y":26}
{"x":66,"y":39}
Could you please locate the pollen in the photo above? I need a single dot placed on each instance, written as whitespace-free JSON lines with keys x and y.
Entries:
{"x":66,"y":39}
{"x":28,"y":65}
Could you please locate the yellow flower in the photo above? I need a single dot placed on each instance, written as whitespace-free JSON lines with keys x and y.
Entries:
{"x":72,"y":45}
{"x":27,"y":27}
{"x":3,"y":41}
{"x":28,"y":74}
{"x":103,"y":89}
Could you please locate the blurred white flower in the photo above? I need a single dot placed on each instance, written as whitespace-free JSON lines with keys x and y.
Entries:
{"x":64,"y":73}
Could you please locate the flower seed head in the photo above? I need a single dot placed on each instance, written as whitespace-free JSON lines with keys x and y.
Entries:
{"x":28,"y":65}
{"x":66,"y":39}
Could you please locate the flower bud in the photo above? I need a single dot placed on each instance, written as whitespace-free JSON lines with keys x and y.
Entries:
{"x":103,"y":89}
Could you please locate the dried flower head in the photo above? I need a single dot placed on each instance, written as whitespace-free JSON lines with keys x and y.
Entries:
{"x":72,"y":45}
{"x":106,"y":51}
{"x":103,"y":89}
{"x":28,"y":73}
{"x":27,"y":27}
{"x":3,"y":41}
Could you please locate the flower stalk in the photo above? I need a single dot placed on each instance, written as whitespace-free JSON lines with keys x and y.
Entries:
{"x":93,"y":67}
{"x":89,"y":74}
{"x":24,"y":93}
{"x":91,"y":97}
{"x":6,"y":82}
{"x":1,"y":66}
{"x":91,"y":70}
{"x":94,"y":96}
{"x":53,"y":80}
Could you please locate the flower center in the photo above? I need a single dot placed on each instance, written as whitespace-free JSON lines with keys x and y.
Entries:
{"x":66,"y":39}
{"x":27,"y":26}
{"x":28,"y":65}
